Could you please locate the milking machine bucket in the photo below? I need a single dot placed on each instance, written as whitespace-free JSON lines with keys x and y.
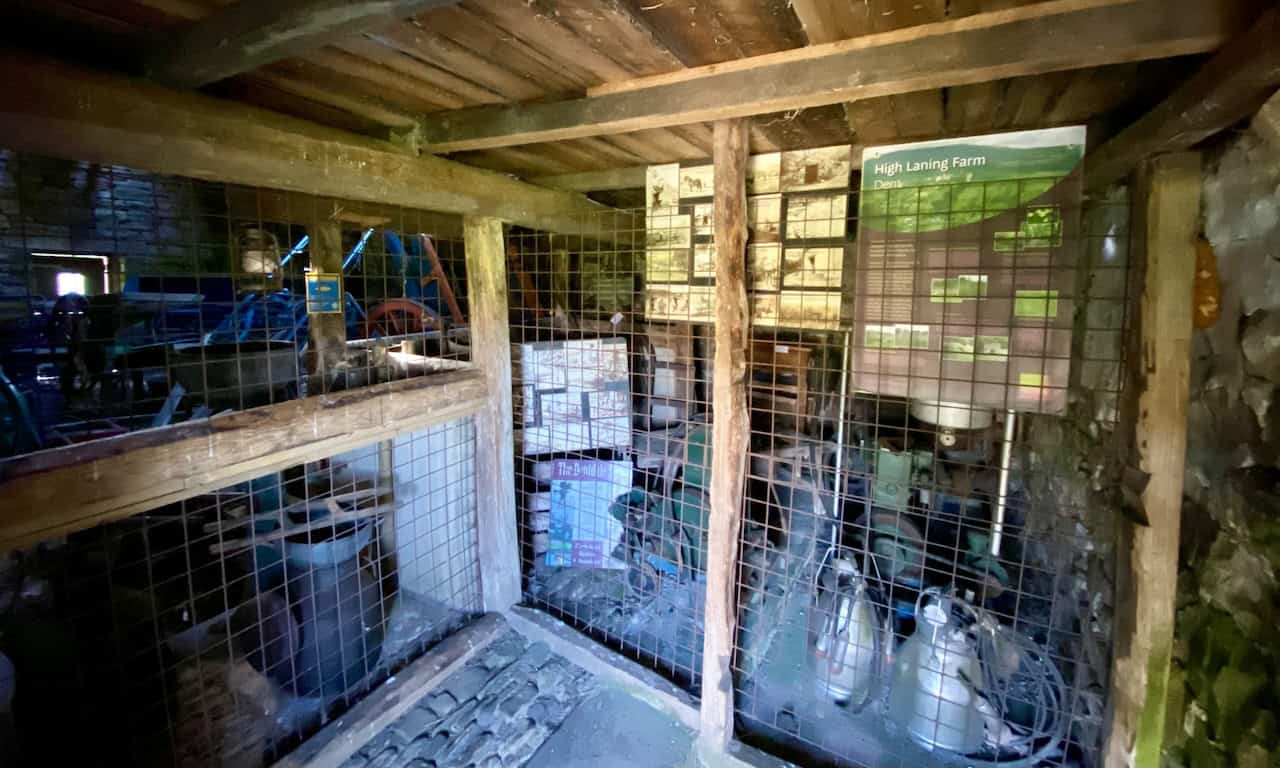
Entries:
{"x":933,"y":697}
{"x":849,"y":634}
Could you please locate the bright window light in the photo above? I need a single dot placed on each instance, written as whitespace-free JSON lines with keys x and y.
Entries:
{"x":70,"y":282}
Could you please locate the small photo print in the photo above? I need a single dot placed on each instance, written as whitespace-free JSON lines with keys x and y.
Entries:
{"x":809,"y":309}
{"x":764,"y":309}
{"x":667,"y":266}
{"x":668,"y":232}
{"x":662,"y":186}
{"x":992,"y":349}
{"x":697,"y":182}
{"x":763,"y":173}
{"x":822,"y":168}
{"x":763,"y":266}
{"x":812,"y":267}
{"x":958,"y":289}
{"x":896,"y":336}
{"x":704,"y":224}
{"x":815,"y":216}
{"x":704,"y":260}
{"x":764,"y":218}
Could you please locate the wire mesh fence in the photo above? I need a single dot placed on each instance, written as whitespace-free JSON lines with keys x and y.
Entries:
{"x":224,"y":629}
{"x":130,"y":300}
{"x":934,"y":378}
{"x":612,"y":441}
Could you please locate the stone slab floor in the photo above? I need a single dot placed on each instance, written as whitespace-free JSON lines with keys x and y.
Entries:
{"x":518,"y":704}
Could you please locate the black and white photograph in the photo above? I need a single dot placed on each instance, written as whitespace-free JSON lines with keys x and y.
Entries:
{"x":812,"y":267}
{"x":662,"y":186}
{"x":811,"y":217}
{"x":696,"y":182}
{"x":763,"y":266}
{"x":764,"y":218}
{"x":811,"y":169}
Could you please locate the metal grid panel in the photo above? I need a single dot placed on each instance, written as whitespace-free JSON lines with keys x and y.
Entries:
{"x":130,"y":300}
{"x":865,"y":508}
{"x":613,"y":446}
{"x":859,"y":502}
{"x":226,"y":628}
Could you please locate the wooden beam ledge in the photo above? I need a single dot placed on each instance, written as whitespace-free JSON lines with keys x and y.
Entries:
{"x":62,"y":110}
{"x":62,"y":490}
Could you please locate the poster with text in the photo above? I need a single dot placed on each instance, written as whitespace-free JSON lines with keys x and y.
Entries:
{"x":967,"y":253}
{"x":582,"y":533}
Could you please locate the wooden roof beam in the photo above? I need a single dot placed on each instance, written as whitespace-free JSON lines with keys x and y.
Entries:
{"x":253,"y":33}
{"x":67,"y":111}
{"x":631,"y":177}
{"x":1043,"y":37}
{"x":1228,"y":88}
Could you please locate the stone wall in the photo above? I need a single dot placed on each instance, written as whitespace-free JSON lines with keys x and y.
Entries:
{"x":1226,"y":688}
{"x":156,"y":223}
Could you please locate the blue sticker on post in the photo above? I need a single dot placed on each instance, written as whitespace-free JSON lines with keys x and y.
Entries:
{"x":324,"y":293}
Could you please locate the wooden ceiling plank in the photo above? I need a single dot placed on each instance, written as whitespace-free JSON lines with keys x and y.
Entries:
{"x":971,"y":108}
{"x":761,"y":141}
{"x":374,"y":79}
{"x":610,"y":153}
{"x":1030,"y":40}
{"x":670,"y":144}
{"x":440,"y":51}
{"x":478,"y":33}
{"x":691,"y":29}
{"x":1039,"y":98}
{"x":639,"y":146}
{"x":59,"y":110}
{"x":826,"y":21}
{"x":363,"y":106}
{"x":252,"y":89}
{"x":1092,"y":92}
{"x":249,"y":35}
{"x":697,"y":134}
{"x":761,"y":26}
{"x":1233,"y":83}
{"x":611,"y":27}
{"x":420,"y":71}
{"x":540,"y":28}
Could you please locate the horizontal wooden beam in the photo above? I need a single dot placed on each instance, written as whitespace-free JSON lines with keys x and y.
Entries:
{"x":57,"y":109}
{"x":1228,"y":88}
{"x":252,"y":33}
{"x":1028,"y":40}
{"x":58,"y":491}
{"x":631,"y":177}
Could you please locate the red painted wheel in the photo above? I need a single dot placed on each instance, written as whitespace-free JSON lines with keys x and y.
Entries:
{"x":398,"y":317}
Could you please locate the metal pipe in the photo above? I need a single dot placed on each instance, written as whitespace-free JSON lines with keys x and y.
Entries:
{"x":837,"y":498}
{"x":1002,"y":497}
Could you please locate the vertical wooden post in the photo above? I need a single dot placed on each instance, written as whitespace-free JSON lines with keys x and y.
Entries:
{"x":495,"y":451}
{"x":328,"y":332}
{"x":1166,"y":227}
{"x":730,"y":432}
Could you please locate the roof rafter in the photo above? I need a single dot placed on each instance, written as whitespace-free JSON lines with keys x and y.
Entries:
{"x":1044,"y":37}
{"x":1229,"y":87}
{"x":253,"y":33}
